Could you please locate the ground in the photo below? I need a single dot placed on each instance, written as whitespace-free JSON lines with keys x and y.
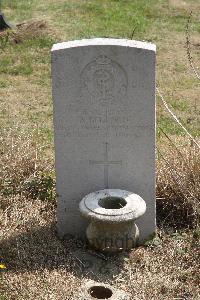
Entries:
{"x":38,"y":264}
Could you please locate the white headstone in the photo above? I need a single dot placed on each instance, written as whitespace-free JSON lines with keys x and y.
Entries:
{"x":104,"y":120}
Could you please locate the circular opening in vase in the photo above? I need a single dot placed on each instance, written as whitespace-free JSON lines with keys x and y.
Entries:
{"x":100,"y":292}
{"x":112,"y":202}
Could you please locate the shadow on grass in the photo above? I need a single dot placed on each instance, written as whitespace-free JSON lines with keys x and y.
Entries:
{"x":40,"y":248}
{"x":37,"y":248}
{"x":175,"y":215}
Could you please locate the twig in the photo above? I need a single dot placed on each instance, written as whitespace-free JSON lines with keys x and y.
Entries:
{"x":188,"y":47}
{"x":36,"y":148}
{"x":176,"y":119}
{"x":99,"y":255}
{"x":133,"y":32}
{"x":173,"y":144}
{"x":177,"y":178}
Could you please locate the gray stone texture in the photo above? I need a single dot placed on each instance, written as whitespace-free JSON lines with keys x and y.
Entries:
{"x":112,"y":214}
{"x":104,"y":120}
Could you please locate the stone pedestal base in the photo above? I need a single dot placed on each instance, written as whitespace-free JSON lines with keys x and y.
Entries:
{"x":112,"y":237}
{"x":112,"y":214}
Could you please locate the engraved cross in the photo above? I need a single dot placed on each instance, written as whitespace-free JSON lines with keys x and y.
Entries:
{"x":106,"y":163}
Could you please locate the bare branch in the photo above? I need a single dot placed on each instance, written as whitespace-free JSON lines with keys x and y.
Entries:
{"x":176,"y":119}
{"x":177,"y":178}
{"x":188,"y":46}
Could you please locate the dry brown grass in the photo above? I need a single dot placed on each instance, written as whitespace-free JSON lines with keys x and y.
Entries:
{"x":26,"y":30}
{"x":22,"y":170}
{"x":184,"y":5}
{"x":40,"y":266}
{"x":178,"y":183}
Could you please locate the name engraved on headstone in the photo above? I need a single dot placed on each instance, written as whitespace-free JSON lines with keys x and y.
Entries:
{"x":97,"y":122}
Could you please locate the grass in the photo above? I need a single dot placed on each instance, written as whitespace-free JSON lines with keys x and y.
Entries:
{"x":39,"y":265}
{"x":149,"y":20}
{"x":178,"y":184}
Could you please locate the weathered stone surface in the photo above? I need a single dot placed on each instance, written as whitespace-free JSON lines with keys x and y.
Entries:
{"x":104,"y":118}
{"x":112,"y":213}
{"x":112,"y":206}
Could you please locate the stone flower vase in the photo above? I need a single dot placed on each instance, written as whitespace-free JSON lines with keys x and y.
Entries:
{"x":112,"y":214}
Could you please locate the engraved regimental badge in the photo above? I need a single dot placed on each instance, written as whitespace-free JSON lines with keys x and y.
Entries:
{"x":105,"y":80}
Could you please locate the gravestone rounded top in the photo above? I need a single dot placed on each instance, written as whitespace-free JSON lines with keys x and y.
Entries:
{"x":104,"y":41}
{"x":112,"y":205}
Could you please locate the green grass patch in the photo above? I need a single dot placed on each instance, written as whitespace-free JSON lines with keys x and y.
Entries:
{"x":38,"y":43}
{"x":145,"y":19}
{"x":3,"y":83}
{"x":20,"y":59}
{"x":21,"y":69}
{"x":2,"y":297}
{"x":169,"y":126}
{"x":180,"y":67}
{"x":13,"y":66}
{"x":90,"y":18}
{"x":18,"y":10}
{"x":179,"y":105}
